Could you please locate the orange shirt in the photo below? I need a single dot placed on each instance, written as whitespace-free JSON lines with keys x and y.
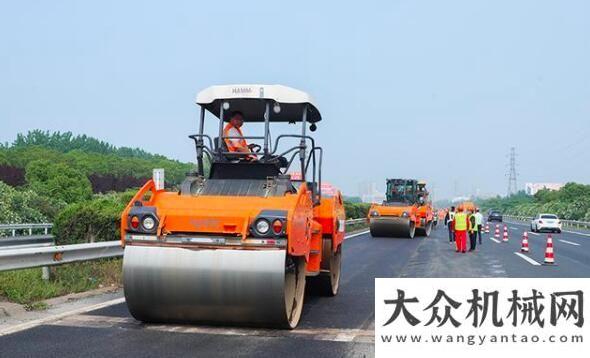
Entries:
{"x":233,"y":144}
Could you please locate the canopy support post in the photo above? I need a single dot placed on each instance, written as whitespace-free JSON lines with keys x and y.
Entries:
{"x":220,"y":137}
{"x":200,"y":168}
{"x":302,"y":143}
{"x":266,"y":130}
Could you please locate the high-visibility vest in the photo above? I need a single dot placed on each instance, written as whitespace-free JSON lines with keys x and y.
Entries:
{"x":478,"y":218}
{"x":472,"y":221}
{"x":460,"y":221}
{"x":230,"y":142}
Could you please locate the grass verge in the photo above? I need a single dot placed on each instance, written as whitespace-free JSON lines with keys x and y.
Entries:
{"x":28,"y":288}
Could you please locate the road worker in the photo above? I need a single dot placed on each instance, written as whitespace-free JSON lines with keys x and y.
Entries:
{"x":479,"y":222}
{"x":472,"y":228}
{"x":236,"y":141}
{"x":449,"y":217}
{"x":460,"y":229}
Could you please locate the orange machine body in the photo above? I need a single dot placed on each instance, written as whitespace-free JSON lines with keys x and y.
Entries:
{"x":425,"y":210}
{"x":410,"y":211}
{"x":232,"y":217}
{"x":425,"y":214}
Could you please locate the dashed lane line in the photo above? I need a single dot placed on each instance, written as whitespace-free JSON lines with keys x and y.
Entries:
{"x":494,"y":240}
{"x":569,"y":242}
{"x":534,"y":233}
{"x":527,"y":259}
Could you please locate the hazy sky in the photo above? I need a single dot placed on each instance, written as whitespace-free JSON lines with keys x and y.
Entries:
{"x":437,"y":90}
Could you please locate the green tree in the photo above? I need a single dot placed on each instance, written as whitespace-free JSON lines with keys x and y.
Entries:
{"x":546,"y":195}
{"x":57,"y":180}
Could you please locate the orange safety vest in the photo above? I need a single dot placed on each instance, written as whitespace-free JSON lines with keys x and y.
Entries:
{"x":230,"y":142}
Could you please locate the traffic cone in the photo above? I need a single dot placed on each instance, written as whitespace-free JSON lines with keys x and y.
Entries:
{"x":549,"y":258}
{"x":525,"y":242}
{"x":497,"y":232}
{"x":505,"y":236}
{"x":487,"y":228}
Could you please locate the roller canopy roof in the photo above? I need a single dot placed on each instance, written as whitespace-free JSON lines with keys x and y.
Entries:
{"x":247,"y":99}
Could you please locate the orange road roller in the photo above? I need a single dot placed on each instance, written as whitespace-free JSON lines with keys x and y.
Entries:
{"x":237,"y":241}
{"x":406,"y":211}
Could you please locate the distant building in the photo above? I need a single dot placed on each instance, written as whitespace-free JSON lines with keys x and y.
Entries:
{"x":533,"y":188}
{"x":369,"y":193}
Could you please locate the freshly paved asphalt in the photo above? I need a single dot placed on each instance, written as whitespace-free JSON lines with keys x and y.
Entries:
{"x":330,"y":327}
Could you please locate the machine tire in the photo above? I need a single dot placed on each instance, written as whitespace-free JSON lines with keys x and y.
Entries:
{"x":327,"y":283}
{"x":412,"y":231}
{"x":294,"y":289}
{"x":406,"y":230}
{"x":426,"y":230}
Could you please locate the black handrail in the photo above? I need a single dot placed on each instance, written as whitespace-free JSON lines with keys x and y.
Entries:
{"x":311,"y":158}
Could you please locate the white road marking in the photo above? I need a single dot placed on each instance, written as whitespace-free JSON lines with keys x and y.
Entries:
{"x":569,"y":242}
{"x":514,"y":228}
{"x":357,"y":234}
{"x":527,"y":259}
{"x":322,"y":334}
{"x":494,"y":240}
{"x":533,"y":233}
{"x":53,"y":318}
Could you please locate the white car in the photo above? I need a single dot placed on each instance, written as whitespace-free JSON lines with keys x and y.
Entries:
{"x":548,"y":222}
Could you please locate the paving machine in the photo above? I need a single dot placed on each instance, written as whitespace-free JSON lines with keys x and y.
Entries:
{"x":405,"y":212}
{"x":236,"y":243}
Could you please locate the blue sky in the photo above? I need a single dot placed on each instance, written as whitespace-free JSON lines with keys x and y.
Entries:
{"x":437,"y":90}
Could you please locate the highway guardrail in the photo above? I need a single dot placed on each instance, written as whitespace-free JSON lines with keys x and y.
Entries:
{"x":568,"y":223}
{"x":20,"y":229}
{"x":31,"y":235}
{"x":56,"y":255}
{"x":13,"y":258}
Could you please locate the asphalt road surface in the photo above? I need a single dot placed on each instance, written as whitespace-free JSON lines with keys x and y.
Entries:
{"x":341,"y":326}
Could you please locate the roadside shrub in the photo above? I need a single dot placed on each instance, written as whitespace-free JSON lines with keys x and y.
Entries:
{"x":24,"y":206}
{"x":356,"y":210}
{"x":95,"y":220}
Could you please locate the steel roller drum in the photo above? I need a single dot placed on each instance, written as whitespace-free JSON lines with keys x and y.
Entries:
{"x":246,"y":287}
{"x":391,"y":227}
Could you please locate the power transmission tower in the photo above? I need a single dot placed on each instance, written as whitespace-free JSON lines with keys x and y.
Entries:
{"x":512,"y":188}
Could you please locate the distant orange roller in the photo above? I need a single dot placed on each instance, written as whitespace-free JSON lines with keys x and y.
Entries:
{"x":406,"y":212}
